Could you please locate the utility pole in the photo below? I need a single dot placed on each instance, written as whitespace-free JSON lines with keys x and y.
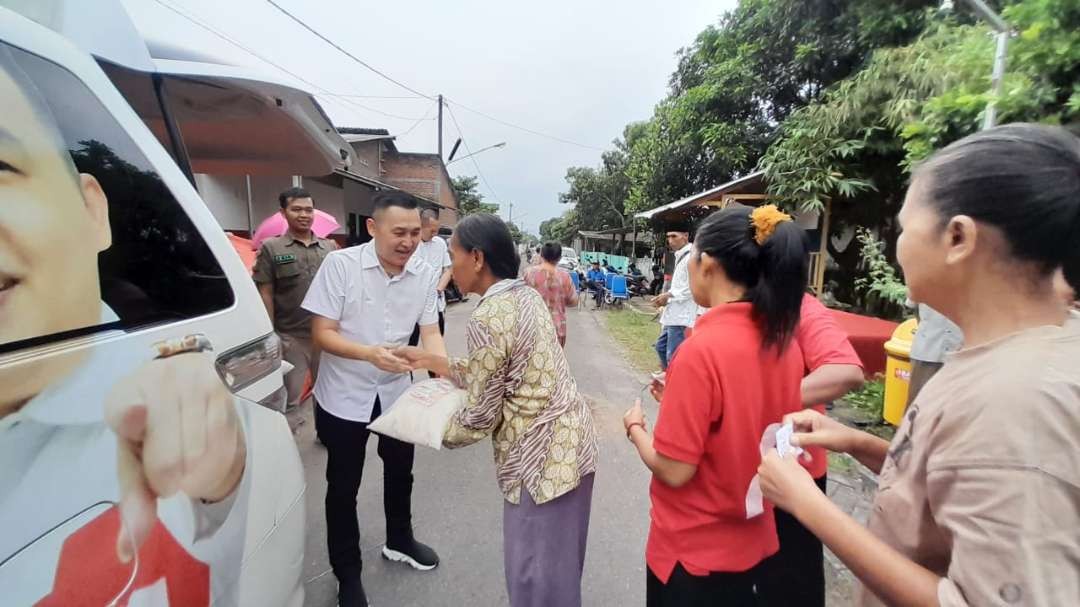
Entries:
{"x":510,"y":215}
{"x":440,"y":127}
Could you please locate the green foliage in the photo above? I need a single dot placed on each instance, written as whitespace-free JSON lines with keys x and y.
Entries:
{"x":470,"y":200}
{"x":856,"y":144}
{"x":744,"y":76}
{"x":870,"y":398}
{"x":880,"y":284}
{"x":912,"y":100}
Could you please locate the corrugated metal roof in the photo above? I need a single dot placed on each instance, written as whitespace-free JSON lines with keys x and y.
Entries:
{"x":693,"y":198}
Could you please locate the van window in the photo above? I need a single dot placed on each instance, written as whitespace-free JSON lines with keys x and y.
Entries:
{"x":90,"y":237}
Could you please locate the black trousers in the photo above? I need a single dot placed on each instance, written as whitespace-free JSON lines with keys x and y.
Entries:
{"x":729,"y":589}
{"x":346,"y":443}
{"x":796,"y":574}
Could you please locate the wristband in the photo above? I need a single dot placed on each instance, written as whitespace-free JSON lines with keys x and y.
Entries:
{"x":631,"y":427}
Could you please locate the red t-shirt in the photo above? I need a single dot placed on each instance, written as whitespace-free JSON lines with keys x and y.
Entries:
{"x":822,"y":342}
{"x":722,"y":391}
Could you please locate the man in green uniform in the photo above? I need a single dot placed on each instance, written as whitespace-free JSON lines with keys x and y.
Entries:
{"x":283,"y":272}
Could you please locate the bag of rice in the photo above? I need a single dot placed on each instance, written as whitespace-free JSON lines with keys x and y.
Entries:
{"x":421,"y":415}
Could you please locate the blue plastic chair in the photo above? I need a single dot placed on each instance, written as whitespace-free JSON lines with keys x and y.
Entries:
{"x":574,"y":278}
{"x":605,"y":298}
{"x":619,"y":292}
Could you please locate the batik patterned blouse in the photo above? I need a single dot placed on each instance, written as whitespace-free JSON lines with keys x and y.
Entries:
{"x":520,"y":391}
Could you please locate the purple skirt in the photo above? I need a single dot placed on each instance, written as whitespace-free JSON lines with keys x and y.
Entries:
{"x":544,"y":548}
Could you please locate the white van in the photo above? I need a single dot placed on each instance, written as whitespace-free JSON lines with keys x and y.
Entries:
{"x":134,"y":467}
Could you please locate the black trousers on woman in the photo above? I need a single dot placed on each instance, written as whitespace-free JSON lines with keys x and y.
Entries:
{"x":716,"y":589}
{"x":796,"y":574}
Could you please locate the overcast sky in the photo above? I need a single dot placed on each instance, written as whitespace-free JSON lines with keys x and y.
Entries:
{"x":575,"y":69}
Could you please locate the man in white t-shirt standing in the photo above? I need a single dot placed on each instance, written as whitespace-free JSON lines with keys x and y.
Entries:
{"x":680,"y":311}
{"x":366,"y":301}
{"x":434,"y":251}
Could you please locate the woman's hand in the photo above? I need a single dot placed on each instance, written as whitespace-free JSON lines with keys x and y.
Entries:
{"x":414,"y":356}
{"x":814,"y":429}
{"x":633,"y":416}
{"x":656,"y":387}
{"x":785,"y":482}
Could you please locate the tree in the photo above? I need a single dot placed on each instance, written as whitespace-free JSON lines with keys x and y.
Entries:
{"x":742,"y":78}
{"x":470,"y":200}
{"x":857,"y":144}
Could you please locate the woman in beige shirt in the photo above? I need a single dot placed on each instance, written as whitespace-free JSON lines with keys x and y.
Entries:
{"x":979,"y":494}
{"x":520,"y":392}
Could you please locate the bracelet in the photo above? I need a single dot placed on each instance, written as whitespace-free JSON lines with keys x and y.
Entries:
{"x":183,"y":345}
{"x":631,"y":427}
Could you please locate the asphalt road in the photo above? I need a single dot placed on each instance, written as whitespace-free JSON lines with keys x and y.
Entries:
{"x":457,"y":507}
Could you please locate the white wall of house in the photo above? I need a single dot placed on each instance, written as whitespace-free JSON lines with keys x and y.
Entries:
{"x":328,"y":198}
{"x":226,"y":197}
{"x":264,"y":194}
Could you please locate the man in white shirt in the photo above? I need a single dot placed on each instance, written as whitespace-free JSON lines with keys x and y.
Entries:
{"x":680,"y":311}
{"x":366,"y":301}
{"x":436,"y":253}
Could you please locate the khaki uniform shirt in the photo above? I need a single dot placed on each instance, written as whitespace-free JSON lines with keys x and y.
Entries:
{"x":981,"y":484}
{"x":289,"y":266}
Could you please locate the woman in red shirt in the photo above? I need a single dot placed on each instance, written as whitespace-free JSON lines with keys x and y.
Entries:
{"x":739,"y":372}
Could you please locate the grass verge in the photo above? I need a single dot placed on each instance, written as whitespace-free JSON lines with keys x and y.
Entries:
{"x":635,"y":333}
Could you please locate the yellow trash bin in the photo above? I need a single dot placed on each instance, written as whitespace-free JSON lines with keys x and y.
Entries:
{"x":898,"y":371}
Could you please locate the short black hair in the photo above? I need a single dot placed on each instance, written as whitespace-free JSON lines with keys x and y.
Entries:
{"x":292,"y":194}
{"x":393,"y":198}
{"x":489,"y":234}
{"x":429,"y":213}
{"x":551,"y":252}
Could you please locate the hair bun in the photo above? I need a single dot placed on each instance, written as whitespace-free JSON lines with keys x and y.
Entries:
{"x":764,"y":220}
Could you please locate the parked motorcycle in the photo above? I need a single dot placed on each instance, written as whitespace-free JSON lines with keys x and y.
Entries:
{"x":637,"y":286}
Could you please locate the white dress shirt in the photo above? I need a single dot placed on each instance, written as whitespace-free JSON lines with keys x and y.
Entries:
{"x":681,"y":310}
{"x":373,"y":309}
{"x":437,"y":254}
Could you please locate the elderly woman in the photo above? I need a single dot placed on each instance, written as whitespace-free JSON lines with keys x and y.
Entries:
{"x":521,"y":392}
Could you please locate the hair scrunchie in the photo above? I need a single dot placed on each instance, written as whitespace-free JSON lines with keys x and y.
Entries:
{"x":764,"y":220}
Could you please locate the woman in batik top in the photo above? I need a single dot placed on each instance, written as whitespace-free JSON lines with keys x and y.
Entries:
{"x":554,"y":286}
{"x":520,"y":391}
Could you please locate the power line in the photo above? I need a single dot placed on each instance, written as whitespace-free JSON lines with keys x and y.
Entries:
{"x":525,"y":129}
{"x":247,"y":50}
{"x":465,"y":142}
{"x":345,"y":52}
{"x":424,"y":118}
{"x":412,"y":90}
{"x":401,"y":97}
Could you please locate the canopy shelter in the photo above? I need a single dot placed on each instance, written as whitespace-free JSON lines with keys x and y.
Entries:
{"x":749,"y":190}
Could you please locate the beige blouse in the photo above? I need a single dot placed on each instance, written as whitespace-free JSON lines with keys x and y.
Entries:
{"x":521,"y":392}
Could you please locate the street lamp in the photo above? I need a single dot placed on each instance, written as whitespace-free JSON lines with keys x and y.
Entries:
{"x":1003,"y":32}
{"x":490,"y":147}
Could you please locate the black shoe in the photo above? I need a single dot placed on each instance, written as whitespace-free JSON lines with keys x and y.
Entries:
{"x":411,"y":552}
{"x":351,"y":593}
